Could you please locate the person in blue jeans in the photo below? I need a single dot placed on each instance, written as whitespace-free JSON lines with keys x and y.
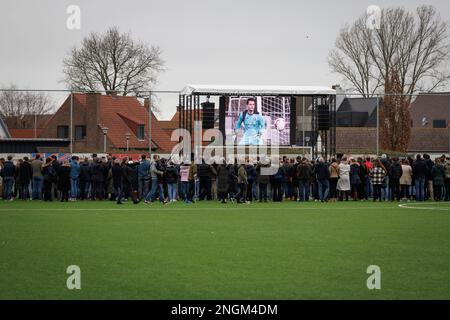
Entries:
{"x":322,"y":176}
{"x":304,"y":174}
{"x":8,"y":174}
{"x":143,"y":176}
{"x":420,"y":172}
{"x":171,"y":176}
{"x":155,"y":174}
{"x":74,"y":174}
{"x":38,"y":178}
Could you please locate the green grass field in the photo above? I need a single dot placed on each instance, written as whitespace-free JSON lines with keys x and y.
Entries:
{"x":213,"y":251}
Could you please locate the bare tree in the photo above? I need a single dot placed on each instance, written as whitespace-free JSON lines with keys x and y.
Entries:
{"x":15,"y":103}
{"x":113,"y":62}
{"x":415,"y":45}
{"x":352,"y":59}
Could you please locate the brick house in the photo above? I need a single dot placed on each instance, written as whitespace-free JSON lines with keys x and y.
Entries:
{"x":122,"y":116}
{"x":27,"y":126}
{"x":430,"y":115}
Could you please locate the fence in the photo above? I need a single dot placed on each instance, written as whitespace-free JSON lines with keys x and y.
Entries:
{"x":62,"y":121}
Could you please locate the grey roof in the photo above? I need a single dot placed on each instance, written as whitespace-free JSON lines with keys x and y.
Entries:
{"x":368,"y":105}
{"x":359,"y":106}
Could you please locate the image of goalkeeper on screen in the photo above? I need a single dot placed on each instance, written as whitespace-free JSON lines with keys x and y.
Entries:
{"x":252,"y":123}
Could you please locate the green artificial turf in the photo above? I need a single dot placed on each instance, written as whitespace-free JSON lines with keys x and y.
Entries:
{"x":213,"y":251}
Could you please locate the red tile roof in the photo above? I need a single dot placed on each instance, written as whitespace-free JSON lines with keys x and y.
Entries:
{"x":119,"y":114}
{"x":24,"y":133}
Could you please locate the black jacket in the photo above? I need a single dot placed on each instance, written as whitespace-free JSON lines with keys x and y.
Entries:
{"x":420,"y":169}
{"x":395,"y":172}
{"x":85,"y":171}
{"x":171,"y":174}
{"x":63,"y":178}
{"x":25,"y":172}
{"x":304,"y":172}
{"x":9,"y":169}
{"x":99,"y":172}
{"x":322,"y":172}
{"x":117,"y":175}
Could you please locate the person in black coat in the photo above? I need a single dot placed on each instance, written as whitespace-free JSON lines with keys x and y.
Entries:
{"x":222,"y":181}
{"x":85,"y":178}
{"x":25,"y":175}
{"x":429,"y":192}
{"x":49,"y":176}
{"x":395,"y":173}
{"x":420,"y":172}
{"x":56,"y":164}
{"x":205,"y":173}
{"x":262,"y":178}
{"x":117,"y":172}
{"x":131,"y":183}
{"x":64,"y":180}
{"x":171,"y":176}
{"x":99,"y":172}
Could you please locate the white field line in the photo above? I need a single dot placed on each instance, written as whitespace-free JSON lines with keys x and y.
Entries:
{"x":412,"y":206}
{"x":241,"y":208}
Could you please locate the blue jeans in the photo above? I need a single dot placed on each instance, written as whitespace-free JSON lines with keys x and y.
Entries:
{"x":323,"y":194}
{"x":172,"y":189}
{"x":25,"y":191}
{"x":38,"y":182}
{"x":420,"y":189}
{"x":142,"y":186}
{"x":73,"y":188}
{"x":185,"y":190}
{"x":369,"y":189}
{"x":386,"y":190}
{"x":303,"y":190}
{"x":151,"y":196}
{"x":8,"y":183}
{"x":118,"y":192}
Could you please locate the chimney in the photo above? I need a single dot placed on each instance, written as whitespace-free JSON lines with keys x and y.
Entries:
{"x":147,"y":104}
{"x":112,"y":93}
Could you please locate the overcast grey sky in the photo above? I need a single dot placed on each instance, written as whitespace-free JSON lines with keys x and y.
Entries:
{"x":283,"y":42}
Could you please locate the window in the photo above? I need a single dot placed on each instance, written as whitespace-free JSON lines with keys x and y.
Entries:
{"x":62,"y":132}
{"x":141,"y":132}
{"x":80,"y":132}
{"x":440,"y":123}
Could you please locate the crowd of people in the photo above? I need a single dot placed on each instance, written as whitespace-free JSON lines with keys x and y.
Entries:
{"x":158,"y":179}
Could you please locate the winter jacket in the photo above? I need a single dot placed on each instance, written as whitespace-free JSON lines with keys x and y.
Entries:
{"x":144,"y":169}
{"x":304,"y":172}
{"x":74,"y":169}
{"x":420,"y":169}
{"x":9,"y":169}
{"x":395,"y":172}
{"x":117,"y":175}
{"x":322,"y":172}
{"x":171,"y":174}
{"x":25,"y":172}
{"x":85,"y":171}
{"x":355,"y":177}
{"x":438,"y":175}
